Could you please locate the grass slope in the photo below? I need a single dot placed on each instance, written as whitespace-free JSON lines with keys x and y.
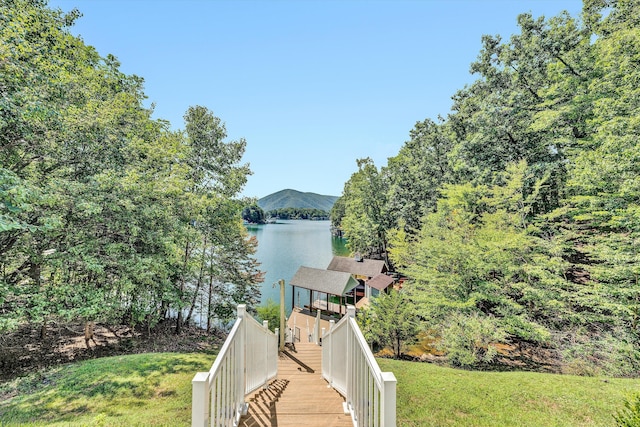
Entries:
{"x":155,"y":390}
{"x":296,"y":199}
{"x":429,"y":395}
{"x":152,"y":389}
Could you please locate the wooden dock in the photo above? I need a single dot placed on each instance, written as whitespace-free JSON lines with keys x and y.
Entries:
{"x":302,"y":321}
{"x":299,"y":396}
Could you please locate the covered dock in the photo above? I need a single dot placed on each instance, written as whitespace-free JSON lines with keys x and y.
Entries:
{"x":334,"y":285}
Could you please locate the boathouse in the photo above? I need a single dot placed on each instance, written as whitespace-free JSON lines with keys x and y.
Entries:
{"x":328,"y":289}
{"x":370,"y":274}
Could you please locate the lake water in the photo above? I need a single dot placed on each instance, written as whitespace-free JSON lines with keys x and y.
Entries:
{"x":286,"y":246}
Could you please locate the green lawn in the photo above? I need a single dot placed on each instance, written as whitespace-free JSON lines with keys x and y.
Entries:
{"x":135,"y":390}
{"x":430,"y":395}
{"x":155,"y":389}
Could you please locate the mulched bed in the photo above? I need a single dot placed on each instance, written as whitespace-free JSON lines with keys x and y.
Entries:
{"x":22,"y":351}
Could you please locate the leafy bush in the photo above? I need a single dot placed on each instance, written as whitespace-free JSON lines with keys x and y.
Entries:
{"x":592,"y":353}
{"x":630,"y":415}
{"x":271,"y":313}
{"x":469,"y":340}
{"x":389,"y":321}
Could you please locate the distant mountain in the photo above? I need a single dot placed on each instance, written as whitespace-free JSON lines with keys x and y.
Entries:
{"x":296,"y":199}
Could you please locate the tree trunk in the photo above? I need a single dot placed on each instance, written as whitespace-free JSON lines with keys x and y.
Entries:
{"x":89,"y":329}
{"x":34,"y":273}
{"x":181,"y":289}
{"x":210,"y":299}
{"x":199,"y":283}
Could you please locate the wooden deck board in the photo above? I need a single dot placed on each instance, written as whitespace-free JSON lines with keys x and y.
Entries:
{"x":299,"y":396}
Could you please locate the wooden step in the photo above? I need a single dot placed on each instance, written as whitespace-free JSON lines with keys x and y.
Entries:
{"x":299,"y":396}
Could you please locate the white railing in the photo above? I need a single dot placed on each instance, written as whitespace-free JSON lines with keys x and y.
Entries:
{"x":247,"y":360}
{"x":350,"y":368}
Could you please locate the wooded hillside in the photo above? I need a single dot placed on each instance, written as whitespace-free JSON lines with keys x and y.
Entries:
{"x":517,"y":216}
{"x":296,"y":199}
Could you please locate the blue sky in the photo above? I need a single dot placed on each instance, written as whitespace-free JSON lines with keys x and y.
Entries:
{"x":311,"y":85}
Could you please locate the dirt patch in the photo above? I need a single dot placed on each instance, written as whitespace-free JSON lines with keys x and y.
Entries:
{"x":520,"y":356}
{"x":529,"y":357}
{"x":23,"y":351}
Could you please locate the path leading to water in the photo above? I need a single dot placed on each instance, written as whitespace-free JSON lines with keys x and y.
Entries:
{"x":299,"y":396}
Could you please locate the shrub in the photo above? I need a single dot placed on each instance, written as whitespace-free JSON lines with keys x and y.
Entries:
{"x":594,"y":352}
{"x":629,"y":416}
{"x":271,"y":313}
{"x":469,"y":339}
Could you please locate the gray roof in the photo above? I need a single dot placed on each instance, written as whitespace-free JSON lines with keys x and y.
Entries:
{"x":330,"y":282}
{"x":366,"y":267}
{"x":380,"y":281}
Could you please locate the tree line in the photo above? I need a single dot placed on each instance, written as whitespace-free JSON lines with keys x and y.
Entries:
{"x":254,"y":214}
{"x":298,"y":213}
{"x":105,"y":213}
{"x":516,"y":217}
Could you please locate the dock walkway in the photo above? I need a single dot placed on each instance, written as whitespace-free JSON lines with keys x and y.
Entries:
{"x":299,"y":396}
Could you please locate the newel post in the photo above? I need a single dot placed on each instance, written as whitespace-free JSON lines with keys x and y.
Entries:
{"x":388,"y":414}
{"x":200,"y":400}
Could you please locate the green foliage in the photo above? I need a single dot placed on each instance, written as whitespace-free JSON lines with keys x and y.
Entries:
{"x":630,"y":415}
{"x":389,"y":321}
{"x":520,"y":209}
{"x":470,"y":340}
{"x":417,"y":174}
{"x":485,"y":279}
{"x":253,"y":214}
{"x":337,"y":212}
{"x":365,"y":222}
{"x":600,"y":352}
{"x":270,"y":312}
{"x":106,"y":214}
{"x":298,"y":213}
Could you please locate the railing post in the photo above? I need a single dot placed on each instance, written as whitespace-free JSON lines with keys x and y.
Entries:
{"x":241,"y":361}
{"x":388,"y":415}
{"x":200,"y":400}
{"x":283,"y":320}
{"x":316,"y":327}
{"x":332,"y":324}
{"x":265,"y":325}
{"x":351,"y":312}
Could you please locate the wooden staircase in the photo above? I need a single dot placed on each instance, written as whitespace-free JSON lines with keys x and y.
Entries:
{"x":299,"y":396}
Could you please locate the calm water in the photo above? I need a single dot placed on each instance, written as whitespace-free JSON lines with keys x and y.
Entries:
{"x":286,"y":246}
